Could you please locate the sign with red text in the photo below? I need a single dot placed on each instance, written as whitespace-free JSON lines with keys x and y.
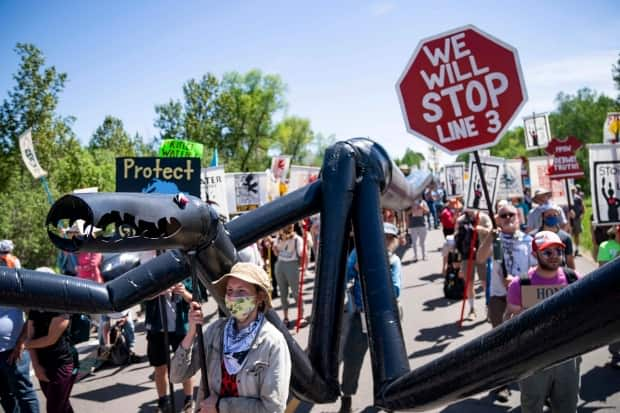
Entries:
{"x":565,"y":163}
{"x":539,"y":167}
{"x":461,"y":89}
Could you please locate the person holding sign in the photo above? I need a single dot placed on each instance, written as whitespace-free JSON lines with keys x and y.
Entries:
{"x":560,"y":384}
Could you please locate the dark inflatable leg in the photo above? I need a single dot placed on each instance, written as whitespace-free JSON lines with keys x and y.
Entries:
{"x":338,"y":175}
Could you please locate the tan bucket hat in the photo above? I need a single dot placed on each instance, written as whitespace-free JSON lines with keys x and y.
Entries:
{"x":247,"y":272}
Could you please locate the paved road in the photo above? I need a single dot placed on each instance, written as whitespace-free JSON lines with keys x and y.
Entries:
{"x":429,"y":327}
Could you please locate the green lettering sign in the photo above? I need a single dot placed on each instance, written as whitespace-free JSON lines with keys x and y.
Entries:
{"x":179,"y":148}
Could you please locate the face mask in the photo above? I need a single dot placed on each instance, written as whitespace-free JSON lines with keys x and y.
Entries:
{"x":552,"y":221}
{"x":240,"y":307}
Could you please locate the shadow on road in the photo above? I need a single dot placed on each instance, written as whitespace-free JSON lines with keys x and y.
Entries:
{"x":597,"y":385}
{"x":428,"y":351}
{"x":439,"y":302}
{"x":448,"y":331}
{"x":485,"y":404}
{"x":113,"y":391}
{"x":432,"y":277}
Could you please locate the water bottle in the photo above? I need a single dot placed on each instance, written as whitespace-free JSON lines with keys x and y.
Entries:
{"x":498,"y":253}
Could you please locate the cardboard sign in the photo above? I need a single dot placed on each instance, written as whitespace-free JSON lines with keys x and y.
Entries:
{"x":605,"y":182}
{"x":213,"y":187}
{"x":533,"y":294}
{"x":537,"y":131}
{"x":539,"y":178}
{"x":510,"y":184}
{"x":565,"y":163}
{"x":455,"y":179}
{"x":245,"y":191}
{"x":158,"y":175}
{"x":28,"y":155}
{"x":280,"y":166}
{"x":302,"y":176}
{"x":180,"y":148}
{"x":475,"y":198}
{"x":611,"y":128}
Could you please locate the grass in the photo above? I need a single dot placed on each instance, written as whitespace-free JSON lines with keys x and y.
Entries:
{"x":585,"y":240}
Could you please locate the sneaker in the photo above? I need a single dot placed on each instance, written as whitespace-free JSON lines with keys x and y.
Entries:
{"x":472,"y":314}
{"x":345,"y":404}
{"x":188,"y":407}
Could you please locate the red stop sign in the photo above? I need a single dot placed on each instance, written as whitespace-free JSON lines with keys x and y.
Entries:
{"x":461,"y":89}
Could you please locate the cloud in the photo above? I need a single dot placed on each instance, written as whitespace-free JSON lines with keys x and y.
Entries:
{"x":381,"y":8}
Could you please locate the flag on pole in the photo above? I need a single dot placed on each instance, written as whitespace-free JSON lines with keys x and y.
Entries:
{"x":215,"y":159}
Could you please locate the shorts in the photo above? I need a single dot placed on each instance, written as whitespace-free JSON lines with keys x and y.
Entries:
{"x":155,"y":349}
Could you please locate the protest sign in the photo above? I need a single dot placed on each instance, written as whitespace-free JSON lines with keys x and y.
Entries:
{"x":213,"y":187}
{"x":29,"y":156}
{"x":611,"y":128}
{"x":539,"y":178}
{"x":245,"y":190}
{"x":455,"y":179}
{"x":564,"y":163}
{"x":510,"y":184}
{"x":280,"y":165}
{"x":180,"y":148}
{"x":475,"y":198}
{"x":158,"y":175}
{"x":605,"y":182}
{"x":537,"y":131}
{"x":302,"y":176}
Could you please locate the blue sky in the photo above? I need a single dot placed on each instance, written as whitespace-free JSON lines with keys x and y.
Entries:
{"x":340,"y":60}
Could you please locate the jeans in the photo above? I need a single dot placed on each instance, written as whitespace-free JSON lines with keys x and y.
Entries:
{"x":16,"y":392}
{"x":129,"y":331}
{"x":560,"y":384}
{"x":353,"y":350}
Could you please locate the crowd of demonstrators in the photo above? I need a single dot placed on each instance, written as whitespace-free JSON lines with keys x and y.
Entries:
{"x":542,"y":199}
{"x":417,"y":228}
{"x":168,"y":310}
{"x":354,"y":343}
{"x":511,"y":251}
{"x":16,"y":391}
{"x":248,"y":362}
{"x":558,"y":384}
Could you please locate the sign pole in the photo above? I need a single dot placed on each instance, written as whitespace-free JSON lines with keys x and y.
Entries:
{"x":485,"y":189}
{"x":568,"y":195}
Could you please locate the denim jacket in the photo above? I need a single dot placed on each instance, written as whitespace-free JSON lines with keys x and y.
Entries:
{"x":263,"y":382}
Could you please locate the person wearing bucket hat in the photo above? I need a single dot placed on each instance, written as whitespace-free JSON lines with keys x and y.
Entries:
{"x":248,"y":361}
{"x":542,"y":197}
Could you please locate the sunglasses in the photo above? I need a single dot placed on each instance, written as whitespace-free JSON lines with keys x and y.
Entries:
{"x":507,"y":215}
{"x":550,"y":252}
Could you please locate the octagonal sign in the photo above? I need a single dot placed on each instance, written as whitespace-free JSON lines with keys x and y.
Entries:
{"x":461,"y":89}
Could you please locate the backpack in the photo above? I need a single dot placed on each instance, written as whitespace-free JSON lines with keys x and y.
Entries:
{"x":79,"y":329}
{"x":119,"y":352}
{"x":464,"y":235}
{"x":453,"y":285}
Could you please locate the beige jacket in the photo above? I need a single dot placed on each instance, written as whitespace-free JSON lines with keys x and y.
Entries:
{"x":263,"y":382}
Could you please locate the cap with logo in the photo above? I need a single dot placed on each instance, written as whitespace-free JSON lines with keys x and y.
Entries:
{"x":545,"y":239}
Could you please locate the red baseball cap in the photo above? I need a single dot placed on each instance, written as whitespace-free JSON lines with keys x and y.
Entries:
{"x":545,"y":239}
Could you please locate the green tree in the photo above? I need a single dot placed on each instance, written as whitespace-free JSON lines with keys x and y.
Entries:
{"x":411,"y":158}
{"x":32,"y":103}
{"x":615,"y":74}
{"x":111,"y":135}
{"x":234,"y":115}
{"x":293,"y":136}
{"x":319,"y":144}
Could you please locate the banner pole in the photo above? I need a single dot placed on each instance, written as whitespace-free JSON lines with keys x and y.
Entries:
{"x":485,"y":189}
{"x":568,"y":195}
{"x":46,"y":187}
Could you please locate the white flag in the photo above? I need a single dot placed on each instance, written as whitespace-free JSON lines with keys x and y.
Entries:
{"x":28,"y":155}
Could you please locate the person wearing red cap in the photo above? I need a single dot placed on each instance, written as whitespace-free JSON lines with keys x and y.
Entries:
{"x":559,"y":384}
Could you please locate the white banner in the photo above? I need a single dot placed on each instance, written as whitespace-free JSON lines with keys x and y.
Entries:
{"x":539,"y":178}
{"x":245,"y":190}
{"x":302,"y":176}
{"x":475,"y":198}
{"x":605,"y":182}
{"x":537,"y":131}
{"x":280,"y":166}
{"x":29,"y":156}
{"x":213,"y":187}
{"x":455,"y":179}
{"x":510,"y":184}
{"x":611,"y":128}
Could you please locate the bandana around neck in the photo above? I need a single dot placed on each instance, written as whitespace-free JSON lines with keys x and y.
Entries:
{"x":237,"y":343}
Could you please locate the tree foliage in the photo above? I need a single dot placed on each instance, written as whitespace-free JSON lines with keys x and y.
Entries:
{"x":293,"y":136}
{"x":410,"y":158}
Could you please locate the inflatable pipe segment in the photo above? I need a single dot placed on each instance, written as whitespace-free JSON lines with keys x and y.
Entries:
{"x":111,"y":222}
{"x":397,"y":191}
{"x":41,"y":290}
{"x":576,"y":320}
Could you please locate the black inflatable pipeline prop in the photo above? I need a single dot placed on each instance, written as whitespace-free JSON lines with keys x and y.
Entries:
{"x":357,"y":179}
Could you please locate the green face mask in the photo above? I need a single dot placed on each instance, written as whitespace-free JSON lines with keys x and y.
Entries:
{"x":240,"y":307}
